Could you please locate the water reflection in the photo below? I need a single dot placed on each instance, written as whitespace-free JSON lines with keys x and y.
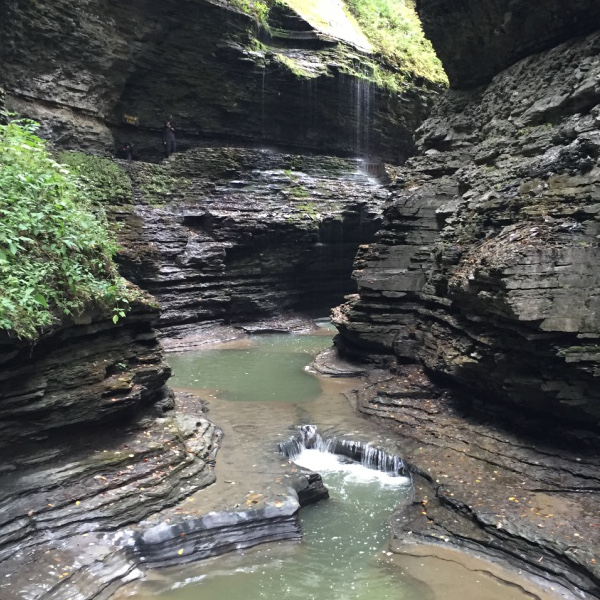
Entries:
{"x":335,"y":560}
{"x":270,"y":369}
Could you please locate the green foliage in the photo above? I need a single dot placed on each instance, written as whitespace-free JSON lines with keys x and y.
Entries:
{"x":299,"y":191}
{"x":102,"y":178}
{"x":309,"y":210}
{"x":157,"y":183}
{"x":259,"y":9}
{"x":55,"y":249}
{"x":296,"y":67}
{"x":394,"y":28}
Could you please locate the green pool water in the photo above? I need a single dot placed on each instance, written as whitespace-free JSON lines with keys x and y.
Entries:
{"x":271,"y":369}
{"x":340,"y":558}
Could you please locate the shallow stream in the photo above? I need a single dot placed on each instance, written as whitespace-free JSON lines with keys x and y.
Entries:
{"x":259,"y":392}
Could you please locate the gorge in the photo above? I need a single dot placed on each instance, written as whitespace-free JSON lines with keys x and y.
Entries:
{"x":468,"y":217}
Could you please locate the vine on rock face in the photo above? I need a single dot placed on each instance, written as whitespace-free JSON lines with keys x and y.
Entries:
{"x":55,"y":247}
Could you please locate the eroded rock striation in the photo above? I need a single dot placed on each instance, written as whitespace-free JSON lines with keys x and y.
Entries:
{"x":81,"y":375}
{"x":488,"y":491}
{"x":84,"y":513}
{"x":486,"y":269}
{"x":477,"y":40}
{"x":484,"y":281}
{"x":229,"y":235}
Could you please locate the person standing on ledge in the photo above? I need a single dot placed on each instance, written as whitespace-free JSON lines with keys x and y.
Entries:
{"x":168,"y":137}
{"x":128,"y":151}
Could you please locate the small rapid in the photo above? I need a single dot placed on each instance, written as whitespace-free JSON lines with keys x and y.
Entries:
{"x":310,"y":450}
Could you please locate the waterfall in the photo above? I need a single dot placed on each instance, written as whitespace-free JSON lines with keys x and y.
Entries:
{"x":262,"y":102}
{"x":370,"y":457}
{"x":310,"y":103}
{"x":362,"y":110}
{"x":307,"y":438}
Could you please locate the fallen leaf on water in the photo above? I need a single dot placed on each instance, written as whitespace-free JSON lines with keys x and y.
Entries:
{"x":180,"y":552}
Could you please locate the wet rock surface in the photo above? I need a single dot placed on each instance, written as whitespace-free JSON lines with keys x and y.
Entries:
{"x":480,"y":293}
{"x":100,"y":74}
{"x":499,"y":32}
{"x":226,"y":235}
{"x":513,"y":499}
{"x":84,"y":374}
{"x":94,"y":512}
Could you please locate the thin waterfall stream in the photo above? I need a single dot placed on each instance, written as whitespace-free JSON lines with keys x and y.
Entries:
{"x":272,"y":409}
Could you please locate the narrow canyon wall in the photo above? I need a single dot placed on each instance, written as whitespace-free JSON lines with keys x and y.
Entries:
{"x":477,"y":40}
{"x":486,"y":269}
{"x":88,"y":373}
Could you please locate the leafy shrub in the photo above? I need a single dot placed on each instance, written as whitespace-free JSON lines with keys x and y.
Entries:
{"x":101,"y":178}
{"x":394,"y":28}
{"x":55,"y":249}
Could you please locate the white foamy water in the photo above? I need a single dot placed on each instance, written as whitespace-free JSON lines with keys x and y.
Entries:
{"x":325,"y":462}
{"x":344,"y":554}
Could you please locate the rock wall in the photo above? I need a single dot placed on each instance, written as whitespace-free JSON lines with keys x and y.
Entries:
{"x":485,"y":271}
{"x":227,"y":235}
{"x":98,"y":74}
{"x":81,"y":375}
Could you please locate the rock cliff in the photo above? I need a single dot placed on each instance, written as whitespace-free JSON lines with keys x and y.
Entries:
{"x":227,"y":235}
{"x":98,"y":74}
{"x":477,"y":40}
{"x":485,"y":271}
{"x":84,"y":374}
{"x":481,"y":293}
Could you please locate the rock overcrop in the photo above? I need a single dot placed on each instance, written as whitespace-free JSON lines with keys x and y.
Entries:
{"x":486,"y":269}
{"x":481,"y":294}
{"x":98,"y":75}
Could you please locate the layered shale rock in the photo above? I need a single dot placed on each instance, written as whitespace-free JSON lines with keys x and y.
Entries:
{"x":486,"y":269}
{"x":479,"y":488}
{"x":476,"y":40}
{"x":82,"y":374}
{"x":99,"y":74}
{"x":481,"y":292}
{"x":86,"y":432}
{"x":95,"y":511}
{"x":228,"y":235}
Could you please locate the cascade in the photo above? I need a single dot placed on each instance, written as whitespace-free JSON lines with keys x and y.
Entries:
{"x":362,"y":105}
{"x":370,"y":457}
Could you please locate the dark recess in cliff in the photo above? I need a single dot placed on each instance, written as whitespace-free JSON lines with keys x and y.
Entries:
{"x":476,"y":39}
